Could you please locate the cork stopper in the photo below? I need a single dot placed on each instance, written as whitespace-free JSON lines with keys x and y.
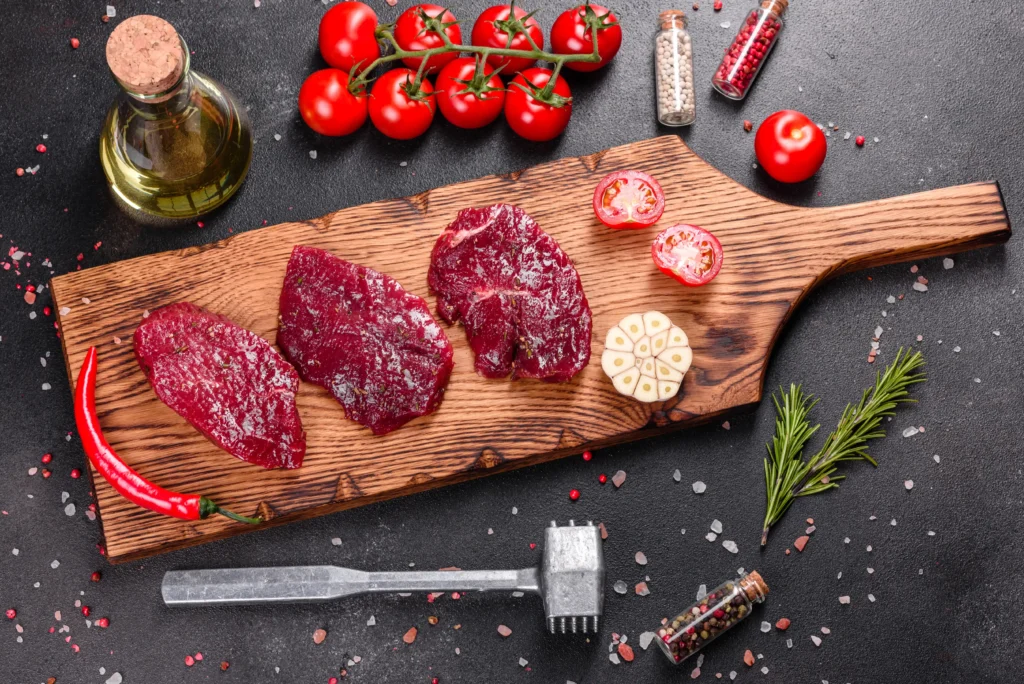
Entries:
{"x":777,"y":6}
{"x":145,"y":54}
{"x":753,"y":586}
{"x":672,"y":19}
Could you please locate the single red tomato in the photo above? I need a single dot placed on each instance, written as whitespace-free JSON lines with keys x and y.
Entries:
{"x":397,"y":109}
{"x":690,"y":254}
{"x":412,"y":34}
{"x":327,"y":104}
{"x":571,"y":35}
{"x":493,"y":29}
{"x":789,"y":146}
{"x":628,"y":199}
{"x":466,"y":99}
{"x":347,"y":35}
{"x":531,"y":117}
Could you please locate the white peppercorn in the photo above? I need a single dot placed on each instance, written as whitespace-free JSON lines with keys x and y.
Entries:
{"x":673,"y":71}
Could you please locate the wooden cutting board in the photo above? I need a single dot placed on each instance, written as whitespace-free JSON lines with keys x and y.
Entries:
{"x":774,"y":255}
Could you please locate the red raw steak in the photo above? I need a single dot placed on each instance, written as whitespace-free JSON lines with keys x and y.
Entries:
{"x":515,"y":291}
{"x":358,"y":333}
{"x":228,"y":382}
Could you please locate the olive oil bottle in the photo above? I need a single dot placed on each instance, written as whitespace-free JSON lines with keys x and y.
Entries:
{"x":175,"y":144}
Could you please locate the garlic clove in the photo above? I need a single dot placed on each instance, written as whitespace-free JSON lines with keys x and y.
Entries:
{"x":679,"y":358}
{"x":656,"y":322}
{"x":642,"y":349}
{"x":633,"y":326}
{"x":626,"y":381}
{"x":659,"y":342}
{"x":667,"y":389}
{"x":666,"y":372}
{"x":646,"y":390}
{"x":677,"y":338}
{"x":647,"y":368}
{"x":614,"y":362}
{"x":618,"y":340}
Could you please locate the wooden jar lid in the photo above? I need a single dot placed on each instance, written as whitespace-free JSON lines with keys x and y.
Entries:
{"x":145,"y":54}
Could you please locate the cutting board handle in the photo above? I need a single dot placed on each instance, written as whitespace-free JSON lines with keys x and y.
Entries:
{"x":918,"y":226}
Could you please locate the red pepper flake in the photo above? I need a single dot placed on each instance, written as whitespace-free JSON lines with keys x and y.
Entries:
{"x":11,"y":613}
{"x":40,"y":148}
{"x":626,"y":652}
{"x":95,"y":577}
{"x":409,"y":636}
{"x":574,"y":494}
{"x":783,"y":624}
{"x":602,"y":478}
{"x":46,"y":458}
{"x":190,"y":661}
{"x":103,"y":622}
{"x":748,"y":125}
{"x":224,"y":665}
{"x":801,"y":542}
{"x":75,"y":43}
{"x":75,"y":473}
{"x":86,"y":610}
{"x":748,"y":658}
{"x":587,"y":455}
{"x":860,"y":141}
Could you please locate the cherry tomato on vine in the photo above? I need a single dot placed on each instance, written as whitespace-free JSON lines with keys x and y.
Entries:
{"x":531,"y":117}
{"x":412,"y":34}
{"x":328,"y":106}
{"x":398,"y":109}
{"x":789,"y":146}
{"x":571,"y":35}
{"x":480,"y":105}
{"x":690,"y":254}
{"x":347,"y":35}
{"x":628,"y":199}
{"x":492,"y":29}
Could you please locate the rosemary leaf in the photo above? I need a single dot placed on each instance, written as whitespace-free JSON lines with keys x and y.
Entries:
{"x":788,"y":475}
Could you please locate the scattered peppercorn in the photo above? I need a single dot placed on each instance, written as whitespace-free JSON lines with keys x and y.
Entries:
{"x":40,"y":148}
{"x":46,"y":473}
{"x":783,"y":624}
{"x":104,"y":18}
{"x":190,"y":661}
{"x":574,"y":494}
{"x":748,"y":126}
{"x":224,"y":665}
{"x":696,"y":6}
{"x":103,"y":622}
{"x":46,"y":458}
{"x":432,"y":619}
{"x":75,"y":473}
{"x":860,"y":141}
{"x":587,"y":455}
{"x":19,"y":171}
{"x":95,"y":577}
{"x":86,"y":610}
{"x":602,"y":478}
{"x":11,"y":613}
{"x":75,"y":43}
{"x":718,"y":5}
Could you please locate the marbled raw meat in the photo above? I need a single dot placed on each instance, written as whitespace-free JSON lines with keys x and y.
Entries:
{"x":515,"y":291}
{"x":228,"y":382}
{"x":358,"y":333}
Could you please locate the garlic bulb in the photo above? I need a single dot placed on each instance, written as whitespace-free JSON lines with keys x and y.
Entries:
{"x":646,"y":357}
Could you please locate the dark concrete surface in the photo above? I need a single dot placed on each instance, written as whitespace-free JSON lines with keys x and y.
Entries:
{"x":940,"y":85}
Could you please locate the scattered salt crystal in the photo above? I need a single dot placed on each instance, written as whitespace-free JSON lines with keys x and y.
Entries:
{"x":766,"y":627}
{"x":956,"y":349}
{"x":920,"y":287}
{"x":515,"y":511}
{"x":614,"y":657}
{"x":403,"y":164}
{"x":517,"y":594}
{"x":645,"y":639}
{"x":847,"y":136}
{"x":764,"y":669}
{"x":371,"y":622}
{"x":893,"y":522}
{"x":69,"y":510}
{"x":702,"y":591}
{"x":868,"y":548}
{"x":884,"y":313}
{"x":684,"y":530}
{"x":112,"y":12}
{"x":699,"y":487}
{"x":677,"y":476}
{"x":90,"y":515}
{"x":871,"y":571}
{"x":277,"y":136}
{"x":936,"y":458}
{"x":908,"y":484}
{"x":730,"y":546}
{"x":877,"y":140}
{"x":878,"y":331}
{"x":46,"y":386}
{"x":641,"y":559}
{"x":523,"y":662}
{"x":996,"y":333}
{"x":17,"y":255}
{"x":947,"y":263}
{"x":800,"y":89}
{"x":931,"y":533}
{"x":618,"y":478}
{"x":871,"y":597}
{"x":890,"y":299}
{"x":910,"y":432}
{"x":816,"y":639}
{"x":620,"y":587}
{"x":64,"y":310}
{"x":920,"y":571}
{"x":977,"y":380}
{"x":726,"y":426}
{"x":32,"y":315}
{"x":725,"y":24}
{"x":490,"y":530}
{"x":845,"y":600}
{"x":64,"y":496}
{"x":716,"y":526}
{"x":711,"y":536}
{"x":336,"y":541}
{"x":789,"y":643}
{"x":642,"y":590}
{"x":116,"y":677}
{"x":15,"y":552}
{"x":55,"y":564}
{"x":312,"y":154}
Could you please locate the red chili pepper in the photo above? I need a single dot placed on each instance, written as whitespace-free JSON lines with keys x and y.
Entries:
{"x":119,"y":474}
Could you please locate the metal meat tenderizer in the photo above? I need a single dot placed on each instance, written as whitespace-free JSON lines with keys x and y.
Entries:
{"x":570,"y":581}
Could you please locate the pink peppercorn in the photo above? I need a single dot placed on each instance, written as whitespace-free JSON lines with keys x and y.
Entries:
{"x":332,"y":680}
{"x":574,"y":494}
{"x":602,"y":478}
{"x":587,"y":455}
{"x":199,"y":656}
{"x":718,"y":5}
{"x":103,"y":622}
{"x":75,"y":43}
{"x":19,"y":171}
{"x":40,"y":148}
{"x":75,"y":473}
{"x":46,"y":458}
{"x":95,"y":577}
{"x":860,"y":141}
{"x":190,"y":661}
{"x":86,"y":610}
{"x":11,"y":613}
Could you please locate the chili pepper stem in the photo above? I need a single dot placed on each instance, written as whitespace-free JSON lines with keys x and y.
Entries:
{"x":207,"y":508}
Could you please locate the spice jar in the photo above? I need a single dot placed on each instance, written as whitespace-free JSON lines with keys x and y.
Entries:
{"x":673,"y":71}
{"x":175,"y":144}
{"x":745,"y":56}
{"x":711,"y":616}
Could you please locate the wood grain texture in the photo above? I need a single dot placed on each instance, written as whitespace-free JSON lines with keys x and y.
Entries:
{"x":774,"y":255}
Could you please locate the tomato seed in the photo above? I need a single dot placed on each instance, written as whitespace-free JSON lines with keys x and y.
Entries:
{"x":574,"y":494}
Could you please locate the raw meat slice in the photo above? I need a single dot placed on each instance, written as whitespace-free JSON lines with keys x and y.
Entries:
{"x":228,"y":382}
{"x":358,"y":333}
{"x":515,"y":291}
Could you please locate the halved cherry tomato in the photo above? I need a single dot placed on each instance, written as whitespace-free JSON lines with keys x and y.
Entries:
{"x":412,"y":34}
{"x":397,"y":109}
{"x":571,"y":35}
{"x":789,"y":146}
{"x":328,"y":106}
{"x":465,"y":102}
{"x":690,"y":254}
{"x":532,"y":118}
{"x":492,"y":29}
{"x":347,"y":35}
{"x":628,"y":199}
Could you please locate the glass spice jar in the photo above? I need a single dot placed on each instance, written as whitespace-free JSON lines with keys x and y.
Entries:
{"x":175,"y":144}
{"x":745,"y":56}
{"x":673,"y":71}
{"x":711,"y":616}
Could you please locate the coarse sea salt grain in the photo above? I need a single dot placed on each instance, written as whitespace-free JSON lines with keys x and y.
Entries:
{"x":908,"y":484}
{"x":336,"y":541}
{"x":730,"y":546}
{"x":936,"y":458}
{"x":920,"y":287}
{"x":702,"y":591}
{"x":766,"y":627}
{"x":620,"y":587}
{"x":910,"y":432}
{"x":699,"y":487}
{"x":69,"y":510}
{"x":711,"y":536}
{"x":677,"y":476}
{"x":845,"y":600}
{"x":312,"y":154}
{"x":716,"y":526}
{"x":871,"y":597}
{"x":947,"y":263}
{"x":816,"y":639}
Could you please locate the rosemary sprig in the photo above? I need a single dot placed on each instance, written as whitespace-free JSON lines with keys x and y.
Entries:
{"x":788,"y":475}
